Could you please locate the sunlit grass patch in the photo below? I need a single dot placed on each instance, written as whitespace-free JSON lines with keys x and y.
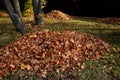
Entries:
{"x":108,"y":32}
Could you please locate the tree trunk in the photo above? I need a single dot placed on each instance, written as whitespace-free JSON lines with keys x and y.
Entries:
{"x":37,"y":11}
{"x":17,"y":7}
{"x":17,"y":21}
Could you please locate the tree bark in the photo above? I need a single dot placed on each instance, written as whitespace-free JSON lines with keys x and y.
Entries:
{"x":37,"y":10}
{"x":17,"y":7}
{"x":17,"y":21}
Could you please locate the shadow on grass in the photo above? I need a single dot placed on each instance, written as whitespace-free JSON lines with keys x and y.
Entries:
{"x":109,"y":33}
{"x":111,"y":37}
{"x":7,"y":33}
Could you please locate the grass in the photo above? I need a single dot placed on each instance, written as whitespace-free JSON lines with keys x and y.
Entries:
{"x":7,"y":32}
{"x":107,"y":32}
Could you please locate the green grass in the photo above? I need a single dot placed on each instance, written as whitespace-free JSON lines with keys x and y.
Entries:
{"x":7,"y":32}
{"x":107,"y":32}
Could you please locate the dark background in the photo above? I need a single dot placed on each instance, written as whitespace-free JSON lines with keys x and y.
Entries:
{"x":88,"y":8}
{"x":92,"y":8}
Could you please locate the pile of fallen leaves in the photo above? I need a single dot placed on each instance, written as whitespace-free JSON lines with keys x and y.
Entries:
{"x":48,"y":51}
{"x":112,"y":20}
{"x":57,"y":15}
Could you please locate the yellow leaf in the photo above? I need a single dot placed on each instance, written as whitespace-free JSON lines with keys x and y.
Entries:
{"x":22,"y":66}
{"x":33,"y":36}
{"x":16,"y":49}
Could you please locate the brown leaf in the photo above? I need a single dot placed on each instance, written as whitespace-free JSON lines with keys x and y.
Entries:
{"x":2,"y":65}
{"x":36,"y":67}
{"x":2,"y":73}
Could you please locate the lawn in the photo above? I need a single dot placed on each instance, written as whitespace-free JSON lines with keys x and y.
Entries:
{"x":107,"y":69}
{"x":108,"y":32}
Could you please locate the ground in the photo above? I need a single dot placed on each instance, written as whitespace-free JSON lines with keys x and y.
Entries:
{"x":64,"y":35}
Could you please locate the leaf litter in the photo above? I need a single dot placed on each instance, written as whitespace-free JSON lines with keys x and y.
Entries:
{"x":50,"y":51}
{"x":57,"y":15}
